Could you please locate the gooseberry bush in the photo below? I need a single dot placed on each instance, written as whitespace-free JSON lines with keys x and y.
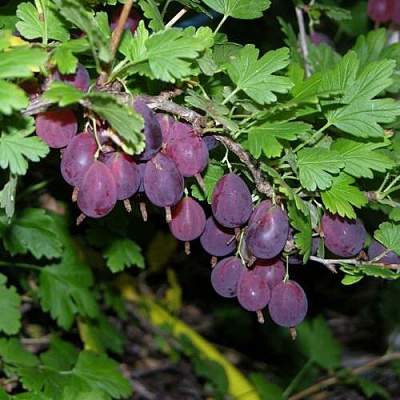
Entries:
{"x":268,"y":159}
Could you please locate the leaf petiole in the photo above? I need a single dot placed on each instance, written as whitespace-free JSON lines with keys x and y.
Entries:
{"x":313,"y":138}
{"x":20,"y":265}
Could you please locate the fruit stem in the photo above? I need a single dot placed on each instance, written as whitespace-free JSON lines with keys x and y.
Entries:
{"x":238,"y":251}
{"x":380,"y":190}
{"x":390,"y":188}
{"x":286,"y":278}
{"x":225,"y":160}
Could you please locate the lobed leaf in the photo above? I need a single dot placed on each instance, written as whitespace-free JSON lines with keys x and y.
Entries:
{"x":33,"y":231}
{"x":10,"y":314}
{"x":369,"y":47}
{"x":264,"y":138}
{"x":317,"y":166}
{"x":317,"y":343}
{"x":121,"y":117}
{"x":255,"y":76}
{"x":100,"y":335}
{"x":7,"y":196}
{"x":83,"y":18}
{"x":249,"y":9}
{"x":65,"y":290}
{"x":362,"y":158}
{"x":123,"y":253}
{"x":43,"y":382}
{"x":389,"y":235}
{"x":63,"y":55}
{"x":355,"y":112}
{"x":151,"y":12}
{"x":12,"y":353}
{"x":46,"y":25}
{"x":16,"y":150}
{"x":395,"y":214}
{"x":169,"y":51}
{"x":8,"y":103}
{"x":98,"y":372}
{"x":302,"y":223}
{"x":21,"y":62}
{"x":341,"y":197}
{"x":63,"y":94}
{"x":363,"y":118}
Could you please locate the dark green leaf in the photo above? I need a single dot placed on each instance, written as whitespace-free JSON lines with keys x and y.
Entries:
{"x":21,"y":62}
{"x":12,"y":353}
{"x":389,"y":235}
{"x":45,"y":382}
{"x":266,"y":389}
{"x":45,"y":25}
{"x":98,"y":372}
{"x":8,"y":103}
{"x":123,"y":253}
{"x":83,"y":18}
{"x":65,"y":290}
{"x":302,"y":223}
{"x":342,"y":196}
{"x":255,"y":76}
{"x":317,"y":167}
{"x":63,"y":94}
{"x":338,"y":14}
{"x":370,"y":388}
{"x":61,"y":355}
{"x":33,"y":231}
{"x":64,"y":57}
{"x":7,"y":196}
{"x":265,"y":137}
{"x":318,"y":344}
{"x":16,"y":150}
{"x":122,"y":118}
{"x":395,"y":214}
{"x":151,"y":12}
{"x":249,"y":9}
{"x":212,"y":108}
{"x":361,"y":158}
{"x":10,"y":314}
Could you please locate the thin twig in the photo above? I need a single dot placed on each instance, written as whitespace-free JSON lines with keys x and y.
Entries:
{"x":119,"y":30}
{"x":262,"y":185}
{"x":177,"y":17}
{"x":115,"y":39}
{"x":355,"y":371}
{"x":303,"y":39}
{"x":353,"y":261}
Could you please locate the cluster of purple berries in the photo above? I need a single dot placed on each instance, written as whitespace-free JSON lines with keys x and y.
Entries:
{"x":382,"y":11}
